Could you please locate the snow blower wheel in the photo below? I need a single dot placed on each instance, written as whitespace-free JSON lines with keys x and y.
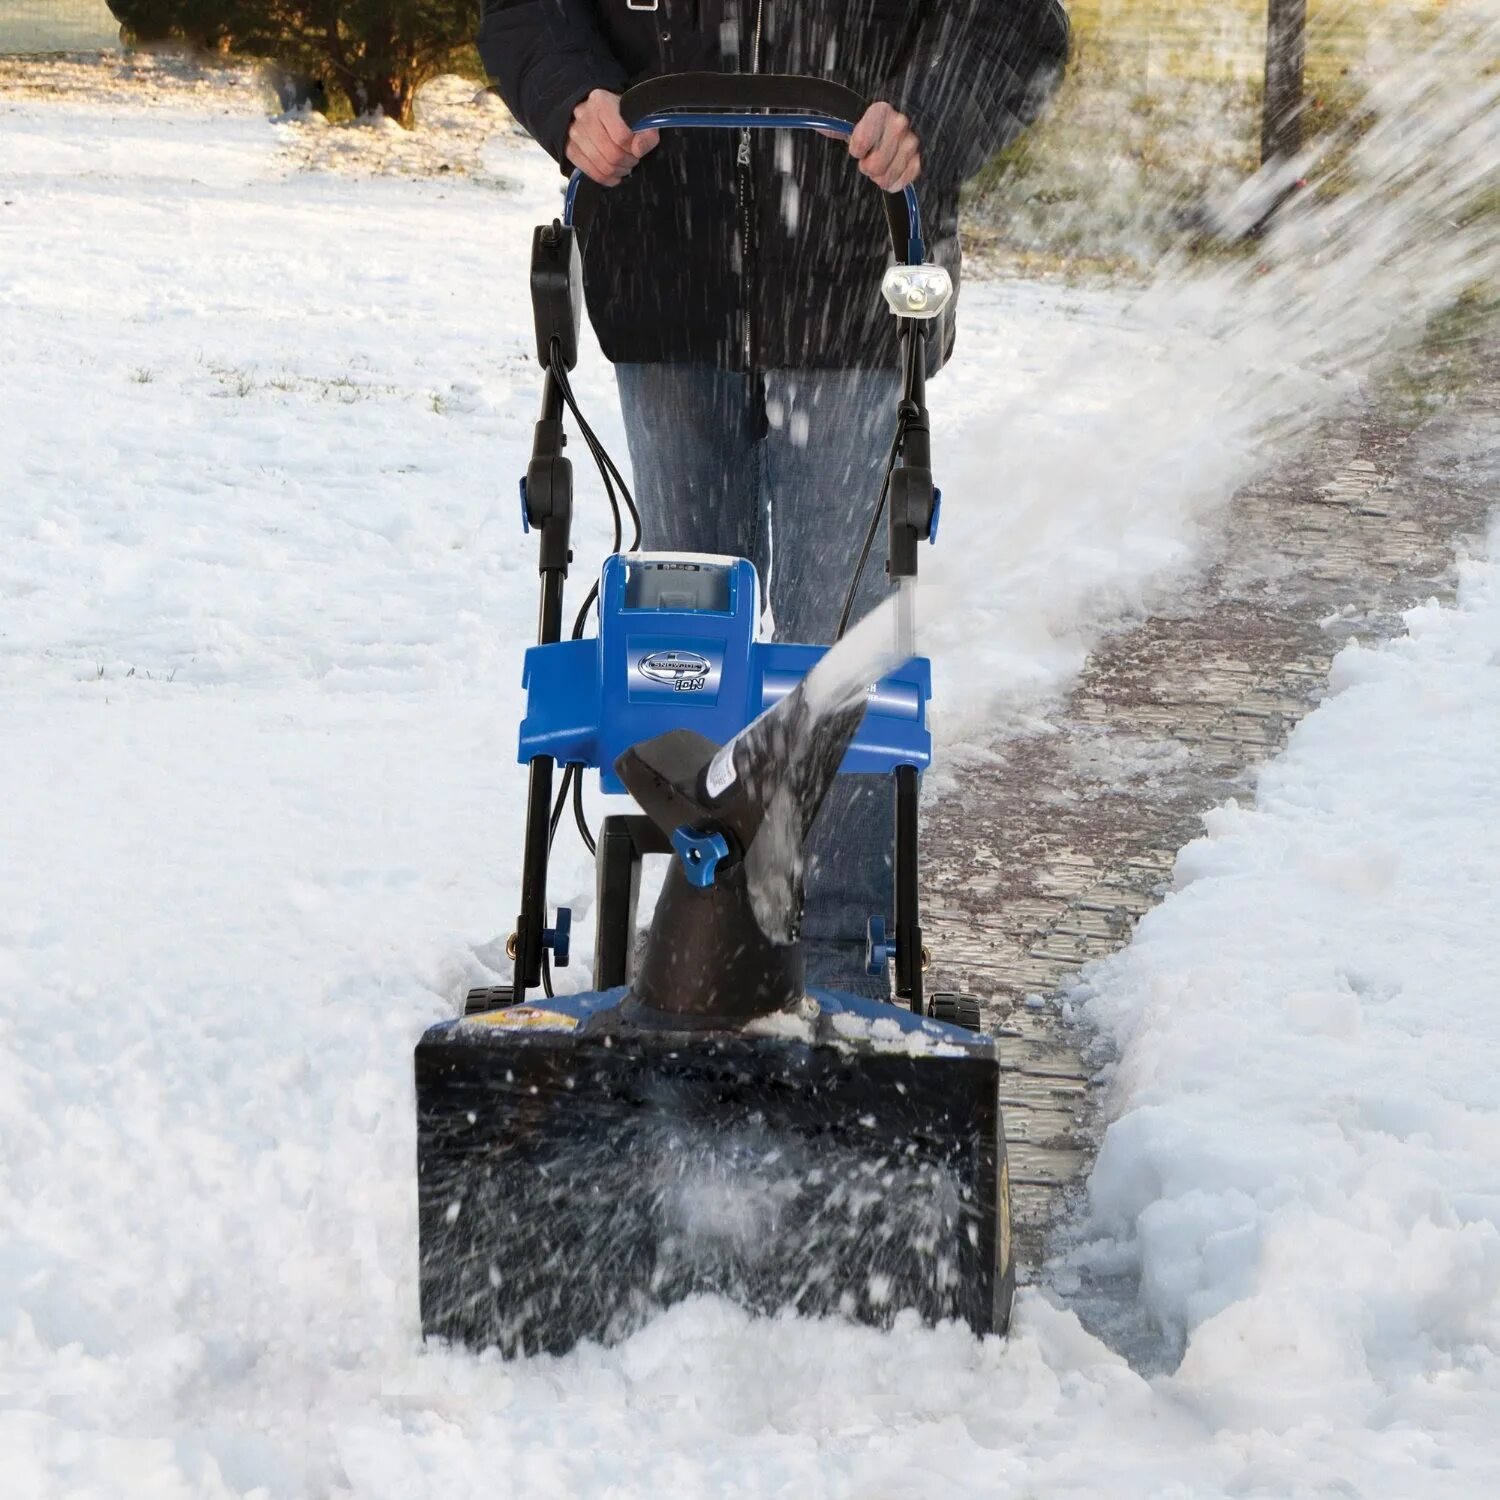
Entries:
{"x":956,"y":1010}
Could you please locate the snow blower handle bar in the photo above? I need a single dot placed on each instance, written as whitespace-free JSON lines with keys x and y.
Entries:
{"x":760,"y":101}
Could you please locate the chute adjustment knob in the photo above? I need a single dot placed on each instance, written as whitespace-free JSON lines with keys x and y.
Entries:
{"x":879,"y":950}
{"x":559,"y":939}
{"x":700,"y":854}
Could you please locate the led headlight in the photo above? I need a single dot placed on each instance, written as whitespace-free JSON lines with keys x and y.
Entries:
{"x":917,"y":291}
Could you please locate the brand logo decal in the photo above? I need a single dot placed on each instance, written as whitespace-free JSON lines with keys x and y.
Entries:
{"x":683,"y":671}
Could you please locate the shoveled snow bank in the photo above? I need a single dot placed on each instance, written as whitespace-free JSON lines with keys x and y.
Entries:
{"x":1304,"y":1167}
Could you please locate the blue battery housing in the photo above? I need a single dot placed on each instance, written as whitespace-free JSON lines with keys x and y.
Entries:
{"x":676,"y":649}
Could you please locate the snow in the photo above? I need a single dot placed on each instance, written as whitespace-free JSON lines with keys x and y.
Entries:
{"x":1335,"y":941}
{"x":264,"y":603}
{"x":885,"y":1035}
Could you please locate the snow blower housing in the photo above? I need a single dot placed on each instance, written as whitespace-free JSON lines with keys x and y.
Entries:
{"x":699,"y":1121}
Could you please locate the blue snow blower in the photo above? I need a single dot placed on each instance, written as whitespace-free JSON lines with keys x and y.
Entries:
{"x":698,"y":1121}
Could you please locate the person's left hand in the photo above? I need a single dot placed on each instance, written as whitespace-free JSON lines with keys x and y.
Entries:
{"x":886,"y":148}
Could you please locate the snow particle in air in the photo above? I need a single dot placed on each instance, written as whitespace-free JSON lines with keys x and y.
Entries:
{"x":791,"y":206}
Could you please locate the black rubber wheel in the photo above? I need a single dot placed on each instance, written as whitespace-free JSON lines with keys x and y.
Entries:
{"x":489,"y":997}
{"x":956,"y":1010}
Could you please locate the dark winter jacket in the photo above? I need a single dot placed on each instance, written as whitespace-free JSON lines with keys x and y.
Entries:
{"x":774,"y":262}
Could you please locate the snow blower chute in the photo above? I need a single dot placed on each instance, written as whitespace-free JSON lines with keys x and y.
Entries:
{"x":698,"y":1121}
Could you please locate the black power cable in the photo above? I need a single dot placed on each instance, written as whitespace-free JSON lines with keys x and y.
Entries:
{"x":609,"y":471}
{"x":607,"y":467}
{"x":583,"y":824}
{"x":560,"y":802}
{"x":873,"y":532}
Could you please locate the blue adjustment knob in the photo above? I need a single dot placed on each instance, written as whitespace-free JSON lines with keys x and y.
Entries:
{"x":525,"y":508}
{"x":560,"y":938}
{"x":937,"y":511}
{"x":878,"y":950}
{"x":700,"y":854}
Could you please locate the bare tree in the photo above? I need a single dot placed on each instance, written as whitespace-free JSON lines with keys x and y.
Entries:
{"x":1286,"y":55}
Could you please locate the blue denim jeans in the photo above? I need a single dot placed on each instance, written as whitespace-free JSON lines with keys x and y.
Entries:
{"x":784,"y":468}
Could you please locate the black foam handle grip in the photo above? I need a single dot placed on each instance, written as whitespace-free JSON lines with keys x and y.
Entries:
{"x":761,"y":93}
{"x":742,"y":93}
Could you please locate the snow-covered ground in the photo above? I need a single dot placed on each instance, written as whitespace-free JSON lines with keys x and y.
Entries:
{"x":263,"y":599}
{"x":1304,"y":1162}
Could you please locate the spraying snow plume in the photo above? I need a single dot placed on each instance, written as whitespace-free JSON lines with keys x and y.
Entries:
{"x":1121,"y":467}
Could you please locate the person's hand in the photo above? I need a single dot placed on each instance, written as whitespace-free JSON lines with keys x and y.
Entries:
{"x":887,"y":148}
{"x":601,"y":144}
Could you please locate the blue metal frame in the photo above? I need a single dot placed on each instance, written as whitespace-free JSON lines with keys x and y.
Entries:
{"x":916,"y":250}
{"x":590,"y":700}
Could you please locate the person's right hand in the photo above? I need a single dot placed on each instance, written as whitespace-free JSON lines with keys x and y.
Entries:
{"x":601,"y":144}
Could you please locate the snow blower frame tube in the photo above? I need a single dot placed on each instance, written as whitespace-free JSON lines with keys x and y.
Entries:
{"x":699,"y":1122}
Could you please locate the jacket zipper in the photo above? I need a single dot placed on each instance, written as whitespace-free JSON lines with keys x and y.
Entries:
{"x":743,"y":173}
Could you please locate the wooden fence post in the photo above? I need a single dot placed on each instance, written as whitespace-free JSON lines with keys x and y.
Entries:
{"x":1286,"y":54}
